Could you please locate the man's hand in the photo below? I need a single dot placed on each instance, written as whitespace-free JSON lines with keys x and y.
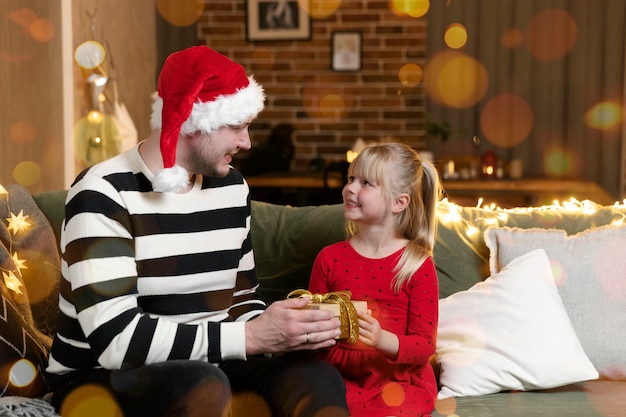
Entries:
{"x":284,"y":327}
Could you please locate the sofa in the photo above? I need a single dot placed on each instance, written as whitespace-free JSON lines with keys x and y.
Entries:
{"x":532,"y":300}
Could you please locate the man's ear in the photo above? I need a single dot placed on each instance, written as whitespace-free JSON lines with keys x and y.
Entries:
{"x":400,"y":203}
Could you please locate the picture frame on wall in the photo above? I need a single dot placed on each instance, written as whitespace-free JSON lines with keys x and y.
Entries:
{"x":277,"y":20}
{"x":346,"y":51}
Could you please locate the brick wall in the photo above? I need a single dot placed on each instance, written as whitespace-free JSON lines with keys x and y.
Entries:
{"x":297,"y":76}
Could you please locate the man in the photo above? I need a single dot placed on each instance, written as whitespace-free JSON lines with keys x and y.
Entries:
{"x":160,"y":314}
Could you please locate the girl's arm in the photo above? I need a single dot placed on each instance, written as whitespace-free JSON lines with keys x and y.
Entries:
{"x":419,"y":343}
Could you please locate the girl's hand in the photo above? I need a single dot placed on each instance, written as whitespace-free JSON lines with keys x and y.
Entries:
{"x":369,"y":329}
{"x":373,"y":335}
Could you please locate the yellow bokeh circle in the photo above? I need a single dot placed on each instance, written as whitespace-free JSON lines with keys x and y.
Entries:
{"x":27,"y":173}
{"x":180,"y":13}
{"x":455,"y":36}
{"x":410,"y":75}
{"x":412,"y":8}
{"x":455,"y":79}
{"x":332,"y":106}
{"x":90,"y":400}
{"x":319,"y":9}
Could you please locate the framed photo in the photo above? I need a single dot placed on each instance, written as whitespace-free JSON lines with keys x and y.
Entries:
{"x":277,"y":20}
{"x":346,"y":51}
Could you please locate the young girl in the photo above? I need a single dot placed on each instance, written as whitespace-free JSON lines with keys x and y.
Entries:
{"x":389,"y":205}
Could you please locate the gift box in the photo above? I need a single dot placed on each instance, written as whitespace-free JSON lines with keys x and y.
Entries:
{"x":342,"y":307}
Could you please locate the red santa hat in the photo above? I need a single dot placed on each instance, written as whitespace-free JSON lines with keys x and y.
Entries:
{"x":198,"y":90}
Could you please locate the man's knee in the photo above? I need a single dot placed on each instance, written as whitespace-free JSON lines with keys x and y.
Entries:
{"x":187,"y":388}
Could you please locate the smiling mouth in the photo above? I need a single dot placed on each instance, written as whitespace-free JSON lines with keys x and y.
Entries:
{"x":352,"y":204}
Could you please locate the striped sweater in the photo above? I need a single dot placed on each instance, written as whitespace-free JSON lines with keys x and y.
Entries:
{"x":150,"y":277}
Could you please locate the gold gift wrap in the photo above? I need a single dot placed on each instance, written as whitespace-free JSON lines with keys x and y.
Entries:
{"x":341,"y":305}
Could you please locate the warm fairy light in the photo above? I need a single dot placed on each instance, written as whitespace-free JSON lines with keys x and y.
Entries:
{"x":12,"y":282}
{"x":18,"y":223}
{"x":19,"y":263}
{"x":472,"y":230}
{"x":450,"y":214}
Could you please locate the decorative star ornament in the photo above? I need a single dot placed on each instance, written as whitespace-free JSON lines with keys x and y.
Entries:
{"x":12,"y":282}
{"x":18,"y":223}
{"x":19,"y":263}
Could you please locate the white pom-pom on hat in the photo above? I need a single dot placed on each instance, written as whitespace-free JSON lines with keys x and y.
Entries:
{"x":199,"y":90}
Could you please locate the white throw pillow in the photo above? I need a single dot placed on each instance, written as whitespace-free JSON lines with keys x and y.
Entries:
{"x":589,"y":269}
{"x":509,"y":332}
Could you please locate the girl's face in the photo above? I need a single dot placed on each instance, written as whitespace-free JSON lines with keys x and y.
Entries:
{"x":365,"y":201}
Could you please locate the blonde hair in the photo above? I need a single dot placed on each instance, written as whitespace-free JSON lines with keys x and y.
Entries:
{"x":398,"y":169}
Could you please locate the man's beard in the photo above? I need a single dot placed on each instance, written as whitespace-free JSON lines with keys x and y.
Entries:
{"x":204,"y":166}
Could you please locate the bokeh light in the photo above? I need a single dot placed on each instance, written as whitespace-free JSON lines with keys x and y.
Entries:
{"x":24,"y":17}
{"x":89,"y":54}
{"x":455,"y":79}
{"x":332,"y":107}
{"x":27,"y":173}
{"x":23,"y":133}
{"x":248,"y":403}
{"x":42,"y":30}
{"x":22,"y":373}
{"x":319,"y":9}
{"x":558,"y":272}
{"x":410,"y":75}
{"x":180,"y":13}
{"x":455,"y":36}
{"x":90,"y":400}
{"x":446,"y":406}
{"x":551,"y":34}
{"x":263,"y":59}
{"x":475,"y":342}
{"x":512,"y":38}
{"x":326,"y":104}
{"x":412,"y":8}
{"x":605,"y":116}
{"x":393,"y":394}
{"x":557,"y":162}
{"x":507,"y":120}
{"x":613,"y":285}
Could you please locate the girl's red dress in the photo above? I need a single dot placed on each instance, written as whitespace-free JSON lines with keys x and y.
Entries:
{"x":375,"y":384}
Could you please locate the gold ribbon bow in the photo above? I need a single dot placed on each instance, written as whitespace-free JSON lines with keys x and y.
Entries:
{"x":347,"y":313}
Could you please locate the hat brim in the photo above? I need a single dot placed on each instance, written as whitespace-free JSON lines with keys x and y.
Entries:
{"x":226,"y":110}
